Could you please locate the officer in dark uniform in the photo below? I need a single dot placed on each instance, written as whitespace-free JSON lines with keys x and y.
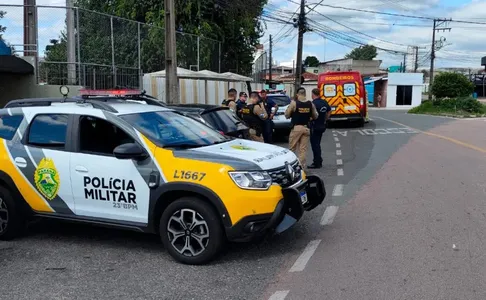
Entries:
{"x":240,"y":103}
{"x":254,"y":115}
{"x":231,"y":100}
{"x":302,"y":112}
{"x":318,"y":127}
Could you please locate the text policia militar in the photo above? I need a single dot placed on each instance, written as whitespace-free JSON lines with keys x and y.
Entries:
{"x":118,"y":191}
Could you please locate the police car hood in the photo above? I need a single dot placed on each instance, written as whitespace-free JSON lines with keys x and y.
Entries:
{"x":265,"y":156}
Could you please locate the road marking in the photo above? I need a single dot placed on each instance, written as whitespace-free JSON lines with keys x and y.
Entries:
{"x":338,"y":152}
{"x":304,"y":258}
{"x":339,"y":162}
{"x":338,"y":145}
{"x":334,"y":135}
{"x":329,"y":214}
{"x":336,"y":139}
{"x":457,"y":142}
{"x":279,"y":295}
{"x":338,"y":190}
{"x":340,"y":172}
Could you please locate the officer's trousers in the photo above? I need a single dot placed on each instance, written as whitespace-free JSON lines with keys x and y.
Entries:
{"x":299,"y":142}
{"x":255,"y":137}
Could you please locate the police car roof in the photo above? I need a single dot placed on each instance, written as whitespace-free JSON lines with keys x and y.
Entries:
{"x":114,"y":105}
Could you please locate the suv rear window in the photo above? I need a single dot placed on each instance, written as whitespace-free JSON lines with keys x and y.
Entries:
{"x":280,"y":100}
{"x":9,"y":125}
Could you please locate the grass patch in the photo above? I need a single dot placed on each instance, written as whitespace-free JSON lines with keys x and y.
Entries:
{"x":460,"y":107}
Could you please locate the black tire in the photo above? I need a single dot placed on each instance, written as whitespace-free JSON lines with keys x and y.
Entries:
{"x":361,"y":122}
{"x":14,"y":225}
{"x":212,"y":232}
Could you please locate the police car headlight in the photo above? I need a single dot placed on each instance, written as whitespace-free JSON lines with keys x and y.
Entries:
{"x":251,"y":180}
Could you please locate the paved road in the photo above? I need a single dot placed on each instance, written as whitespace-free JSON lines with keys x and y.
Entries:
{"x":398,"y":199}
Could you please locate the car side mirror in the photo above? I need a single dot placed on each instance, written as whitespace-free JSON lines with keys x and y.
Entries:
{"x":130,"y":151}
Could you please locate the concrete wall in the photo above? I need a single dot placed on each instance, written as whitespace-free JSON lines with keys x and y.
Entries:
{"x":24,"y":86}
{"x":396,"y":79}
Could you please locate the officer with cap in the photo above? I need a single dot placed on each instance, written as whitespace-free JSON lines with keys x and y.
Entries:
{"x":254,"y":115}
{"x":302,"y":112}
{"x":240,"y":103}
{"x":231,"y":100}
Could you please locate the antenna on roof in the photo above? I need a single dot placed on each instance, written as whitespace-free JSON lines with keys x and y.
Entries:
{"x":64,"y":92}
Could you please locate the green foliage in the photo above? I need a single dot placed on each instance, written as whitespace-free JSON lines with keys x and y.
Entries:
{"x":366,"y":52}
{"x":233,"y":23}
{"x":452,"y":106}
{"x":311,"y":61}
{"x":451,"y":85}
{"x":2,"y":28}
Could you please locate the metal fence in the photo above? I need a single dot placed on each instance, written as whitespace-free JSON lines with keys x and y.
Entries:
{"x":260,"y":68}
{"x":81,"y":47}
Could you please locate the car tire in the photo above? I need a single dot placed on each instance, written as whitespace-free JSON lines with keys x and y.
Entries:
{"x":197,"y":230}
{"x":361,"y":122}
{"x":11,"y":219}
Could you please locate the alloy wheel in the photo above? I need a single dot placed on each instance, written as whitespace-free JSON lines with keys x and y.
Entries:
{"x":3,"y":216}
{"x":188,"y":232}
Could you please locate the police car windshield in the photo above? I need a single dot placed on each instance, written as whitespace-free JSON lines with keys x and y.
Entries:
{"x":280,"y":100}
{"x":171,"y":129}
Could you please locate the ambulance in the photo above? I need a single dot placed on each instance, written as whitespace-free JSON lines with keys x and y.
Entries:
{"x":345,"y":93}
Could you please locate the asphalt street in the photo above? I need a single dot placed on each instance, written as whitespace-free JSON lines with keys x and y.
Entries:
{"x":404,"y":219}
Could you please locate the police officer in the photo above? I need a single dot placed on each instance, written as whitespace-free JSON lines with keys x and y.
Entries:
{"x":240,"y":103}
{"x":318,"y":127}
{"x":302,"y":112}
{"x":271,"y":107}
{"x":231,"y":100}
{"x":254,"y":115}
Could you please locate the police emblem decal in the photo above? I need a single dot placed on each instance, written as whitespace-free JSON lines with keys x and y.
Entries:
{"x":46,"y":178}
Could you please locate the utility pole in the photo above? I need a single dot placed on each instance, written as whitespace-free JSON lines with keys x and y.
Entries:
{"x":171,"y":81}
{"x":300,"y":44}
{"x":270,"y":70}
{"x":416,"y":59}
{"x":404,"y":63}
{"x":437,"y":23}
{"x":71,"y":43}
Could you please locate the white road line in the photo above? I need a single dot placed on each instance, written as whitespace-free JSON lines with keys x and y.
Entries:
{"x":329,"y":214}
{"x":336,"y":139}
{"x":340,"y":172}
{"x":339,"y":162}
{"x":338,"y":190}
{"x":338,"y":152}
{"x":304,"y":258}
{"x":338,"y":145}
{"x":279,"y":295}
{"x":334,"y":134}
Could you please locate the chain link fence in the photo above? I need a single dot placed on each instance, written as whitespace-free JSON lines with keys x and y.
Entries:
{"x":260,"y":68}
{"x":81,"y":47}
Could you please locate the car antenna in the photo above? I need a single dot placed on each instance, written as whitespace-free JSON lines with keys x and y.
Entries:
{"x":64,"y":92}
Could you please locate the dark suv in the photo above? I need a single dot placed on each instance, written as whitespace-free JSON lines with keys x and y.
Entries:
{"x":219,"y":117}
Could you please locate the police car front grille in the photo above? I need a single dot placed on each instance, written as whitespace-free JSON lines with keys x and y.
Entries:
{"x":279,"y":176}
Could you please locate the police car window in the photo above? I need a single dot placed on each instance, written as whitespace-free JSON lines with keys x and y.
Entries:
{"x":170,"y":128}
{"x":98,"y":136}
{"x":329,"y":90}
{"x":9,"y":125}
{"x":48,"y":131}
{"x":349,"y":89}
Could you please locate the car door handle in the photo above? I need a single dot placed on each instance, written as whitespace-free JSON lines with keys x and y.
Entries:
{"x":81,"y":169}
{"x":20,"y":162}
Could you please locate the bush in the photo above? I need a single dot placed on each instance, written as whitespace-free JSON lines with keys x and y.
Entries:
{"x":451,"y":85}
{"x":459,"y":106}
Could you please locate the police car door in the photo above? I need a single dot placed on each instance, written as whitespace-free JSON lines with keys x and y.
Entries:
{"x":43,"y":160}
{"x":104,"y":187}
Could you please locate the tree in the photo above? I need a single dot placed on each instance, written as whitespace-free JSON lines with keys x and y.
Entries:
{"x":366,"y":52}
{"x":311,"y":61}
{"x":451,"y":85}
{"x":2,"y":28}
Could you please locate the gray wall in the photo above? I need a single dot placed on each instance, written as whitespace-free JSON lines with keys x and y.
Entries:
{"x":24,"y":86}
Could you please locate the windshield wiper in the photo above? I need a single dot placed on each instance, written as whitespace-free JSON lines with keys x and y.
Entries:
{"x":220,"y":142}
{"x":183,"y":145}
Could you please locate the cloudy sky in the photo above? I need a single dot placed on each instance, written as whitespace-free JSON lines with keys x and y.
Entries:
{"x":463,"y":47}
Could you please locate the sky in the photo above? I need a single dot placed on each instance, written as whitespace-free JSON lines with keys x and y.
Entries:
{"x":464,"y":45}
